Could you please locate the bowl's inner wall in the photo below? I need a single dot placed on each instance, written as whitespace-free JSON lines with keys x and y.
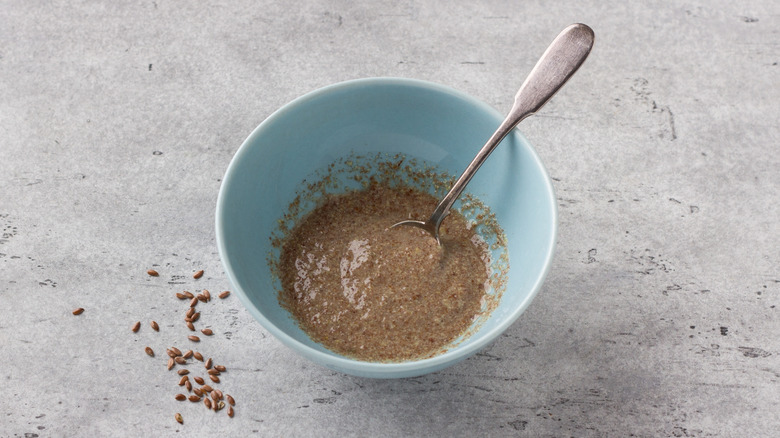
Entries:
{"x":440,"y":127}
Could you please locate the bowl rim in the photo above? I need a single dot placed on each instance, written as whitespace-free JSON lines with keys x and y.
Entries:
{"x":346,"y":364}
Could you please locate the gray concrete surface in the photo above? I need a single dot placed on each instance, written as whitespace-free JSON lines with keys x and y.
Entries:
{"x":659,"y":318}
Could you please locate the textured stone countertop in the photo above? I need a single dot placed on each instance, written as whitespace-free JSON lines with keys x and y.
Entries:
{"x":660,"y":314}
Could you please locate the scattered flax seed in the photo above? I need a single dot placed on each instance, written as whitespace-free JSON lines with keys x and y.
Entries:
{"x":180,"y":360}
{"x":206,"y":388}
{"x":149,"y":351}
{"x":213,"y":372}
{"x":181,"y":397}
{"x":183,"y":380}
{"x":208,"y":364}
{"x":78,"y":311}
{"x":190,"y":326}
{"x":171,"y":363}
{"x":224,"y":295}
{"x":201,"y":297}
{"x":198,"y":274}
{"x":181,"y":296}
{"x":230,"y":412}
{"x":207,"y":402}
{"x":214,"y":395}
{"x":188,"y":294}
{"x":190,"y":312}
{"x":220,"y":368}
{"x":194,"y":398}
{"x":179,"y":418}
{"x":194,"y":302}
{"x":207,"y":332}
{"x":195,"y":316}
{"x":187,"y":354}
{"x":136,"y":326}
{"x":220,"y":396}
{"x":220,"y":405}
{"x":198,"y":356}
{"x":183,"y":372}
{"x":193,"y":338}
{"x":230,"y":400}
{"x":207,"y":294}
{"x":155,"y":327}
{"x":198,"y":392}
{"x":214,"y":379}
{"x":188,"y":385}
{"x":199,"y":380}
{"x":153,"y":273}
{"x":176,"y":351}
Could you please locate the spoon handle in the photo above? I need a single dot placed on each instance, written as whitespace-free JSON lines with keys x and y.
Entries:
{"x":558,"y":63}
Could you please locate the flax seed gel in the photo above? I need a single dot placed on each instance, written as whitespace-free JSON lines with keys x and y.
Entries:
{"x":376,"y":293}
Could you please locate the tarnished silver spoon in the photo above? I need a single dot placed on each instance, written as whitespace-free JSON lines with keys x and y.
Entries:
{"x":558,"y":63}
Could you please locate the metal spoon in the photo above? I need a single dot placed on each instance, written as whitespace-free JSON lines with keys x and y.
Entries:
{"x":558,"y":63}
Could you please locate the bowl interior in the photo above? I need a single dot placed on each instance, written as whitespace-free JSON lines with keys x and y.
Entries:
{"x":419,"y":119}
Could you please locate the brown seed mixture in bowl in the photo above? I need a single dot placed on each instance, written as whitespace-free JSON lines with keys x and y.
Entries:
{"x":377,"y":293}
{"x":433,"y":312}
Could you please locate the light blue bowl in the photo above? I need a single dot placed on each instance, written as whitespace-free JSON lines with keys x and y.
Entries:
{"x":420,"y":119}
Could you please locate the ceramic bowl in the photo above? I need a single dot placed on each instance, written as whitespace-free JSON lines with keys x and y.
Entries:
{"x":427,"y":121}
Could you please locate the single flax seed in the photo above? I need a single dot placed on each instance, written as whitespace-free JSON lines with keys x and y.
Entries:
{"x":224,"y":294}
{"x":149,"y":351}
{"x":198,"y":274}
{"x":136,"y":326}
{"x":78,"y":311}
